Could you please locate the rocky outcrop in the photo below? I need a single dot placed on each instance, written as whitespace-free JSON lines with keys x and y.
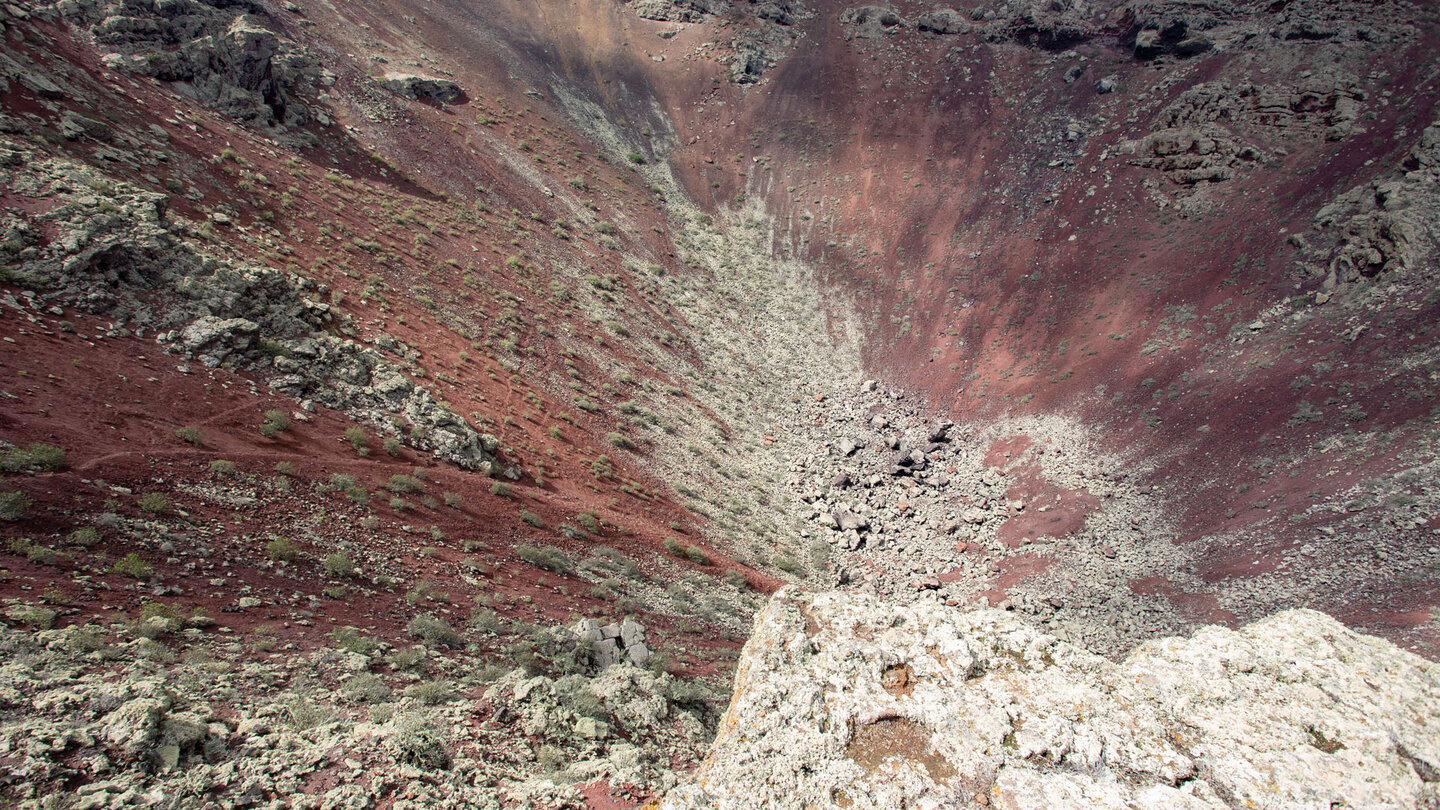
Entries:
{"x":226,"y":54}
{"x":847,"y":701}
{"x":1385,"y":226}
{"x":424,"y":88}
{"x":688,"y":11}
{"x":119,"y":255}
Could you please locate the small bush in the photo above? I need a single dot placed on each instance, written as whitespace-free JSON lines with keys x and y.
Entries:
{"x":404,"y":483}
{"x":84,"y":536}
{"x":191,"y":434}
{"x":673,"y":547}
{"x":532,"y":518}
{"x":35,"y":458}
{"x":365,"y":687}
{"x":282,"y":549}
{"x":546,"y":557}
{"x":433,"y":630}
{"x":357,"y":439}
{"x":501,"y":489}
{"x":419,"y":744}
{"x":589,"y":522}
{"x":155,"y":502}
{"x":431,"y":693}
{"x":284,"y":468}
{"x":696,"y":556}
{"x":392,"y":447}
{"x":736,"y":579}
{"x":405,"y":660}
{"x":222,"y":468}
{"x":278,"y":420}
{"x":34,"y":552}
{"x":620,"y":440}
{"x":338,"y":564}
{"x":350,"y":639}
{"x":13,"y":506}
{"x":453,"y":499}
{"x":132,"y":566}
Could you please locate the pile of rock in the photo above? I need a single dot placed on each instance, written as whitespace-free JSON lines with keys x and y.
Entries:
{"x":613,"y":643}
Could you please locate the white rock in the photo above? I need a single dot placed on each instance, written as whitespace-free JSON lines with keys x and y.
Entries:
{"x":844,"y":700}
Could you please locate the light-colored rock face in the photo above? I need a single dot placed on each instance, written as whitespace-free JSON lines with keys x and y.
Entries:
{"x":846,"y":701}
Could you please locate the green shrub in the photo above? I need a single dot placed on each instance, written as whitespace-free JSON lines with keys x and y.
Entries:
{"x":191,"y":434}
{"x":84,"y":536}
{"x":501,"y":489}
{"x":339,"y":482}
{"x":222,"y":468}
{"x":736,"y":579}
{"x":365,"y":687}
{"x":404,"y":483}
{"x":532,"y":518}
{"x":589,"y":522}
{"x":673,"y":547}
{"x":433,"y":630}
{"x":35,"y":552}
{"x":547,"y":557}
{"x":282,"y":549}
{"x":419,"y":743}
{"x":277,"y":419}
{"x":154,"y":502}
{"x":620,"y":440}
{"x":453,"y":499}
{"x":357,"y":439}
{"x":350,"y":639}
{"x":392,"y":447}
{"x":35,"y":458}
{"x":284,"y":468}
{"x":431,"y":693}
{"x":132,"y":566}
{"x":405,"y":660}
{"x":338,"y":564}
{"x":13,"y":505}
{"x":696,"y":556}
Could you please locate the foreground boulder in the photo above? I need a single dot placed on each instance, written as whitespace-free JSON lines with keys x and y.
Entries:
{"x":845,"y":701}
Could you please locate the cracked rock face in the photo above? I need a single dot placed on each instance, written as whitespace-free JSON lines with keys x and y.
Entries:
{"x":846,"y":701}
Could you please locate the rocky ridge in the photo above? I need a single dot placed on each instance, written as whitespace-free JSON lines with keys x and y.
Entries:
{"x":108,"y":248}
{"x":848,"y":701}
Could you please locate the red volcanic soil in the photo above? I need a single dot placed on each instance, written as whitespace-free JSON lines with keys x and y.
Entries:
{"x":452,"y":264}
{"x":1013,"y":570}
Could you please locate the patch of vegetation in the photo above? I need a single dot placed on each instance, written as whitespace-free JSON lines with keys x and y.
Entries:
{"x":546,"y":557}
{"x":14,"y":506}
{"x":276,"y":422}
{"x":132,"y":566}
{"x":350,"y":639}
{"x":155,"y":502}
{"x":433,"y":630}
{"x":190,"y":434}
{"x":282,"y":549}
{"x":357,"y":440}
{"x":338,"y":564}
{"x":34,"y":458}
